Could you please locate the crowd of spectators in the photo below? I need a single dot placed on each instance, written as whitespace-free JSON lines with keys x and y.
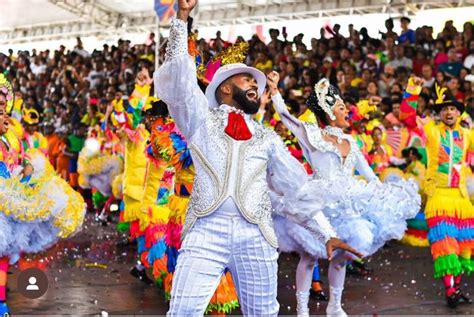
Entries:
{"x":361,"y":66}
{"x":71,"y":88}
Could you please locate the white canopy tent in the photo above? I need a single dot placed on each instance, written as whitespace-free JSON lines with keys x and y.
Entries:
{"x":43,"y":20}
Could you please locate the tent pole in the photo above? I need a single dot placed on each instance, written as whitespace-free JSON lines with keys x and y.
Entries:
{"x":157,"y":43}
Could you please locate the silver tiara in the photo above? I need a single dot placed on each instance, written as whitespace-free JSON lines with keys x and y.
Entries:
{"x":327,"y":97}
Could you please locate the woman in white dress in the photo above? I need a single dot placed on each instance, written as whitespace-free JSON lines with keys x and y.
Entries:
{"x":365,"y":214}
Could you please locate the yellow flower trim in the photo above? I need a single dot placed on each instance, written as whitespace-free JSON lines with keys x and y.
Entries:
{"x":22,"y":202}
{"x":72,"y":216}
{"x":117,"y":186}
{"x":96,"y":164}
{"x":29,"y":203}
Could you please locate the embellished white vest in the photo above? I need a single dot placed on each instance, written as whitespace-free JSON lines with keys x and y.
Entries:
{"x":236,"y":169}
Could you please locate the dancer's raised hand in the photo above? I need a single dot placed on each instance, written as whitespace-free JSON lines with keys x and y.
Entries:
{"x":184,"y":8}
{"x":418,"y":81}
{"x":109,"y":109}
{"x":273,"y":78}
{"x":374,"y":100}
{"x":335,"y":243}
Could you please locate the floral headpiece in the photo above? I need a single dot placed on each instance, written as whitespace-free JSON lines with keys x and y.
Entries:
{"x":325,"y":97}
{"x":7,"y":89}
{"x":235,"y":53}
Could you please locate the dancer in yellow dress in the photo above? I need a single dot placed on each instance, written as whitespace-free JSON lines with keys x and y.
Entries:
{"x":98,"y":165}
{"x":417,"y":228}
{"x":142,"y":176}
{"x":37,"y":207}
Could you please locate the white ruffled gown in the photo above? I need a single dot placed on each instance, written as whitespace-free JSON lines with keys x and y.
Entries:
{"x":365,"y":214}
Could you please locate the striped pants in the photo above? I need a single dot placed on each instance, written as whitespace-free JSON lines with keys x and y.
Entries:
{"x":450,"y":219}
{"x":218,"y":241}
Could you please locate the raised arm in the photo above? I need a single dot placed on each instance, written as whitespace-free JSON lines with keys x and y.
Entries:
{"x":292,"y":123}
{"x":292,"y":197}
{"x":410,"y":103}
{"x":105,"y":120}
{"x":176,"y":81}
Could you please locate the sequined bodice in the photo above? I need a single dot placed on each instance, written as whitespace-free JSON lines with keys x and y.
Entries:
{"x":325,"y":158}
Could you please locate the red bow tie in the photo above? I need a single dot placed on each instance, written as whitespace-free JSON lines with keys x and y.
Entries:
{"x":237,"y":127}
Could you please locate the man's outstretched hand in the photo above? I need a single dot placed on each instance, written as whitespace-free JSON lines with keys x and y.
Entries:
{"x":184,"y":8}
{"x":335,"y":243}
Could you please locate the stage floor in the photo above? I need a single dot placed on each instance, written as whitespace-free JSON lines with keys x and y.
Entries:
{"x":88,"y":274}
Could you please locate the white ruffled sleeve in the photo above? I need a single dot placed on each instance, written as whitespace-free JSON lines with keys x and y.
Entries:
{"x":176,"y":82}
{"x":291,"y":196}
{"x":291,"y":122}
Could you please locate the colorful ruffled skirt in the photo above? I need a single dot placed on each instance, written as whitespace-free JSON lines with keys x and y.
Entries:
{"x":450,"y":218}
{"x":99,"y":172}
{"x":416,"y":234}
{"x":151,"y":245}
{"x":36,"y":214}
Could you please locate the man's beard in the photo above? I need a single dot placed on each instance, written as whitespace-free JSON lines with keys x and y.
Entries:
{"x":247,"y":105}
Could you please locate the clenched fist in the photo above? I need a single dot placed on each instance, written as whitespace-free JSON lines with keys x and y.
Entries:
{"x":418,"y":81}
{"x":273,"y":78}
{"x":184,"y":8}
{"x":374,"y":100}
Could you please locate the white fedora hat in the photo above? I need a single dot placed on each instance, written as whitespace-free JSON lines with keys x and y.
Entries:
{"x":228,"y":71}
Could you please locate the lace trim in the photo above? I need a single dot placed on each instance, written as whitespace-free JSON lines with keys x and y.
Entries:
{"x":337,"y":132}
{"x":178,"y":39}
{"x":315,"y":137}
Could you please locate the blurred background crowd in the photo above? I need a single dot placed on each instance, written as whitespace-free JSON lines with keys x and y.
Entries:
{"x":71,"y":89}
